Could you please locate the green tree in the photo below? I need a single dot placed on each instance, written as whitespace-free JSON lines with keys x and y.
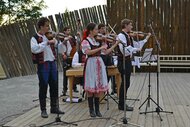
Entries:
{"x":16,"y":10}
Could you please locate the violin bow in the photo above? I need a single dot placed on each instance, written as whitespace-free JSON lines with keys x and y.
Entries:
{"x":112,"y":28}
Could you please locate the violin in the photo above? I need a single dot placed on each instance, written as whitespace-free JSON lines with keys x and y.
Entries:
{"x":61,"y":36}
{"x":105,"y":38}
{"x":138,"y":34}
{"x":49,"y":35}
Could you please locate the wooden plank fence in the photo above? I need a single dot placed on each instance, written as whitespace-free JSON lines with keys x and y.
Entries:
{"x":169,"y":18}
{"x":15,"y":53}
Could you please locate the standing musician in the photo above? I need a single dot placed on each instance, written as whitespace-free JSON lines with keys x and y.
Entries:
{"x":43,"y":54}
{"x":95,"y":77}
{"x":67,"y":49}
{"x":131,"y":47}
{"x":79,"y":35}
{"x":107,"y":58}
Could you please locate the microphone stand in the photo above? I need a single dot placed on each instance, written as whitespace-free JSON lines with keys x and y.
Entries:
{"x":57,"y":118}
{"x":158,"y":108}
{"x":125,"y":121}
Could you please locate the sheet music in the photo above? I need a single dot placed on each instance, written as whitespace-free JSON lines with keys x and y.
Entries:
{"x":131,"y":49}
{"x":147,"y":55}
{"x":136,"y":61}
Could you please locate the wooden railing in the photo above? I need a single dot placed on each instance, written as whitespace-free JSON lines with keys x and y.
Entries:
{"x":174,"y":61}
{"x":168,"y":62}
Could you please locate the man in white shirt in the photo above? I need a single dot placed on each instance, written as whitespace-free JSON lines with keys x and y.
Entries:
{"x":78,"y":59}
{"x":67,"y":48}
{"x":130,"y":47}
{"x":43,"y":54}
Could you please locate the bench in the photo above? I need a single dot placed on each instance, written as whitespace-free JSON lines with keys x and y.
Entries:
{"x":174,"y":61}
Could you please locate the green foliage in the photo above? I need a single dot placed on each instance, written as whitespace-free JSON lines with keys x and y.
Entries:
{"x":17,"y":10}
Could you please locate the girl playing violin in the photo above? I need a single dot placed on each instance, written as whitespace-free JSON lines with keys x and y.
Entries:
{"x":95,"y":77}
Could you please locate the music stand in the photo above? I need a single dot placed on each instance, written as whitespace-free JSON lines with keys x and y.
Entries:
{"x":147,"y":59}
{"x":158,"y":108}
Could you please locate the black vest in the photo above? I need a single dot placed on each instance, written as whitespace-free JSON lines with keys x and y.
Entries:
{"x":82,"y":57}
{"x":94,"y":47}
{"x":39,"y":57}
{"x":120,"y":55}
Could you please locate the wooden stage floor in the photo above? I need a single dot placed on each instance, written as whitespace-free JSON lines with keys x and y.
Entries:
{"x":174,"y":96}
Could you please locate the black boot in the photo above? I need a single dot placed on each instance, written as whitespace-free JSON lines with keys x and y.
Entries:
{"x":121,"y":107}
{"x":55,"y":107}
{"x":91,"y":107}
{"x":97,"y":107}
{"x":44,"y":114}
{"x":43,"y":108}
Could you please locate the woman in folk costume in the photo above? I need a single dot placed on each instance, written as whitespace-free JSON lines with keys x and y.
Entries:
{"x":95,"y":77}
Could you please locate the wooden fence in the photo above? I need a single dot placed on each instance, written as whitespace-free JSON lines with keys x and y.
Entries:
{"x":15,"y":53}
{"x":169,"y":18}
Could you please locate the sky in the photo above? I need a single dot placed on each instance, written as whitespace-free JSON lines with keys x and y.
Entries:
{"x":56,"y":6}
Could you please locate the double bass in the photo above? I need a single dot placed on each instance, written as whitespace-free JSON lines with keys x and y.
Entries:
{"x":76,"y":46}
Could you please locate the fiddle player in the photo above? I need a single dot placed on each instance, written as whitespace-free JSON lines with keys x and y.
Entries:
{"x":43,"y":54}
{"x":107,"y":58}
{"x":131,"y":47}
{"x":95,"y":77}
{"x":67,"y":48}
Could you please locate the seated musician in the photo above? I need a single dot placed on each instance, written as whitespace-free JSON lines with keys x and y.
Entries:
{"x":79,"y":60}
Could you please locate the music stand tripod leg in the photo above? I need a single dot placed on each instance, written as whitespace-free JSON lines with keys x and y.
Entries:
{"x":108,"y":95}
{"x":128,"y":123}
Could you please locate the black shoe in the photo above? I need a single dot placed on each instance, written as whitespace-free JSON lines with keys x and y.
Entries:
{"x":98,"y":114}
{"x":92,"y":113}
{"x":56,"y":111}
{"x":127,"y":108}
{"x":44,"y":114}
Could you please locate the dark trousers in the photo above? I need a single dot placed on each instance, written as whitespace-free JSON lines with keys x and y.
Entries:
{"x":47,"y":74}
{"x":65,"y":68}
{"x":127,"y":72}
